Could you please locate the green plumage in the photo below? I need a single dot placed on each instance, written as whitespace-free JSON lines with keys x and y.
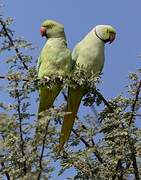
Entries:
{"x":55,"y":58}
{"x":89,"y":55}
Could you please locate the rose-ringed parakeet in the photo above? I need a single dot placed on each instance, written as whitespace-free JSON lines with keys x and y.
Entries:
{"x":88,"y":54}
{"x":55,"y":58}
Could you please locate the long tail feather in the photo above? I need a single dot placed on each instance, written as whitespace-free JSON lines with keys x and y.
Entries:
{"x":74,"y":100}
{"x":47,"y":98}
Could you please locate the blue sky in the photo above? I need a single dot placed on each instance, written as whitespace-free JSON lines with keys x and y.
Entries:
{"x":79,"y":17}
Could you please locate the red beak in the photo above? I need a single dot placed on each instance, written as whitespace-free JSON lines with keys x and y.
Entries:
{"x":112,"y":37}
{"x":43,"y":31}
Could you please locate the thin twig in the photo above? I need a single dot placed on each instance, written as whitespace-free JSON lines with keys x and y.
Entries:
{"x":13,"y":77}
{"x":118,"y":167}
{"x":2,"y":162}
{"x":104,"y":101}
{"x":12,"y":44}
{"x":96,"y":153}
{"x":2,"y":77}
{"x":6,"y":173}
{"x":78,"y":164}
{"x":133,"y":157}
{"x":133,"y":107}
{"x":42,"y":150}
{"x":131,"y":143}
{"x":20,"y":125}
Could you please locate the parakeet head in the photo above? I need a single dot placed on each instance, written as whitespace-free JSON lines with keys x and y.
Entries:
{"x":52,"y":29}
{"x":105,"y":32}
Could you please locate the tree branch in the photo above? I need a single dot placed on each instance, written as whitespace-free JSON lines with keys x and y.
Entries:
{"x":131,"y":143}
{"x":104,"y":101}
{"x":96,"y":153}
{"x":132,"y":147}
{"x":133,"y":157}
{"x":118,"y":167}
{"x":13,"y":77}
{"x":42,"y":150}
{"x":135,"y":102}
{"x":20,"y":125}
{"x":6,"y":173}
{"x":12,"y":44}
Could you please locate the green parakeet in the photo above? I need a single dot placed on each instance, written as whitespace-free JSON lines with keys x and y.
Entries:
{"x":55,"y":58}
{"x":88,"y":54}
